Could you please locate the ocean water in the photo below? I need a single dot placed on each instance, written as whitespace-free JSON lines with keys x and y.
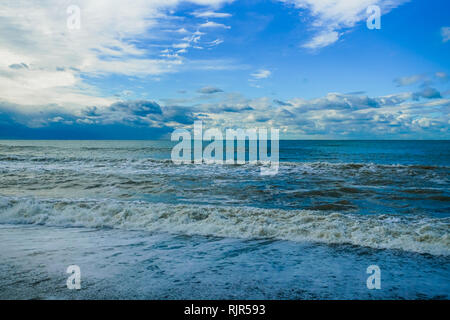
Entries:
{"x":140,"y":226}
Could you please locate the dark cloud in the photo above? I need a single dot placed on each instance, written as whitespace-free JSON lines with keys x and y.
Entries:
{"x":236,"y":109}
{"x":286,"y":114}
{"x":181,"y":115}
{"x":11,"y":130}
{"x":427,"y":93}
{"x":337,"y":101}
{"x":209,"y":90}
{"x":122,"y":120}
{"x":18,"y":66}
{"x":356,"y":93}
{"x":133,"y":113}
{"x":221,"y":107}
{"x":139,"y":108}
{"x":92,"y":124}
{"x":282,"y":103}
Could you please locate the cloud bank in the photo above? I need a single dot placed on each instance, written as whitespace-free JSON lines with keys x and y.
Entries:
{"x":418,"y":115}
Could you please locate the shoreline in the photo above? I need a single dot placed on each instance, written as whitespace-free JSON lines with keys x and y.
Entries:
{"x":117,"y":264}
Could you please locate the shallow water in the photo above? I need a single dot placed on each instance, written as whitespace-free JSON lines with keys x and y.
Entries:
{"x":333,"y":209}
{"x":118,"y":264}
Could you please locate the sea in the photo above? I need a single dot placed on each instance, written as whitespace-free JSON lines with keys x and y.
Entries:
{"x":142,"y":227}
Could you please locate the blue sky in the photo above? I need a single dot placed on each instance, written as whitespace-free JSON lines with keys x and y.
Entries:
{"x":140,"y":70}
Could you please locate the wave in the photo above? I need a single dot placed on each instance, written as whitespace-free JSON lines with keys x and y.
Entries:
{"x":368,"y":166}
{"x":302,"y":164}
{"x":408,"y":233}
{"x":302,"y":167}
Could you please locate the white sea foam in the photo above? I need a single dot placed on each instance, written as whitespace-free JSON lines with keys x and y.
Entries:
{"x":415,"y":234}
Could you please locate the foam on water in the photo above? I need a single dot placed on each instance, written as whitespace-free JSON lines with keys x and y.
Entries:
{"x":408,"y":233}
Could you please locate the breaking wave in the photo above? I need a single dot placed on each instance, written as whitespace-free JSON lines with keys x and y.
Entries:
{"x":415,"y":234}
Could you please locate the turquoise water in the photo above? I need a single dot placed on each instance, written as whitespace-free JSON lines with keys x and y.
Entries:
{"x":310,"y":231}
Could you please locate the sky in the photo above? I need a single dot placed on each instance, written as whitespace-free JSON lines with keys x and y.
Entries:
{"x":112,"y":69}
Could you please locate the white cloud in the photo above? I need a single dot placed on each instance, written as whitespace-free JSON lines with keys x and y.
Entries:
{"x":333,"y":116}
{"x":441,"y":75}
{"x":211,"y":14}
{"x":322,"y":40}
{"x":182,"y":45}
{"x":182,"y":30}
{"x":212,"y":24}
{"x":445,"y":33}
{"x":35,"y":34}
{"x":215,"y":43}
{"x":409,"y":80}
{"x":330,"y":16}
{"x":261,"y":74}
